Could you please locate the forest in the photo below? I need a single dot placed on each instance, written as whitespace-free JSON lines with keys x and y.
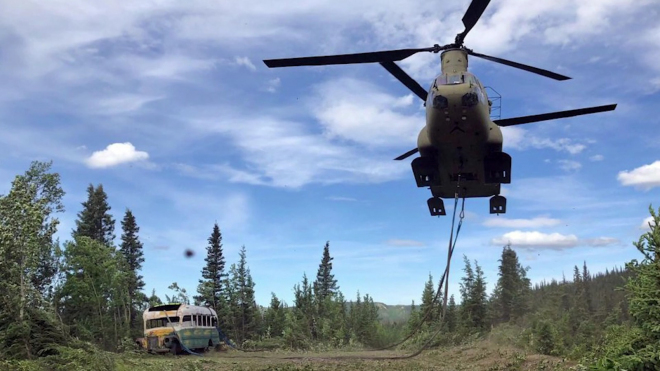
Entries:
{"x":64,"y":302}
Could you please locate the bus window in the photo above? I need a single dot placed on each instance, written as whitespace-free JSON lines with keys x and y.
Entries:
{"x":187,"y":318}
{"x":214,"y":323}
{"x":161,"y":322}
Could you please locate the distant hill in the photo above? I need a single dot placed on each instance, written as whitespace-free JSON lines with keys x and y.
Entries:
{"x":393,"y":313}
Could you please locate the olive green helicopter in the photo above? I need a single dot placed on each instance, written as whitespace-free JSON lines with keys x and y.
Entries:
{"x":460,"y":146}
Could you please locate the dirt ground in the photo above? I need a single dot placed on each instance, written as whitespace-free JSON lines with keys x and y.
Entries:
{"x":483,"y":356}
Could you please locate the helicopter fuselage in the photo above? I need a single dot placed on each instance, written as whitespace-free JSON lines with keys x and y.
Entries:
{"x":459,"y":138}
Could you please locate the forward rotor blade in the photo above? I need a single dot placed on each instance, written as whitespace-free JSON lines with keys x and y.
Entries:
{"x":405,"y":79}
{"x":472,"y":14}
{"x":407,"y":154}
{"x":554,"y":115}
{"x":371,"y":57}
{"x":525,"y":67}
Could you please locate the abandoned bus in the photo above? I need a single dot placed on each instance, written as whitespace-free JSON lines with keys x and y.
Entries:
{"x":167,"y":327}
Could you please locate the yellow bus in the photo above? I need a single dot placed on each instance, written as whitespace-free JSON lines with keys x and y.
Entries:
{"x":178,"y":328}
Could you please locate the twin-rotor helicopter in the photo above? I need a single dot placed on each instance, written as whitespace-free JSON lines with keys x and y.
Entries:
{"x":460,"y":146}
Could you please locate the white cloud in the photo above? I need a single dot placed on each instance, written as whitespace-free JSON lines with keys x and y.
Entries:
{"x":520,"y":139}
{"x":115,"y":154}
{"x":405,"y":243}
{"x":363,"y":113}
{"x":533,"y":239}
{"x":569,"y":165}
{"x":283,"y":153}
{"x":272,"y":85}
{"x":602,"y":241}
{"x":538,"y":222}
{"x":644,"y":177}
{"x":245,"y":61}
{"x":645,"y":224}
{"x":596,"y":158}
{"x":340,"y":198}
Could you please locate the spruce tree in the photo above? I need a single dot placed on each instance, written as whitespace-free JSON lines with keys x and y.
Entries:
{"x":325,"y":284}
{"x":94,"y":220}
{"x":275,"y":317}
{"x":510,"y":298}
{"x":131,"y":249}
{"x":210,"y":287}
{"x":427,"y":302}
{"x":451,"y":319}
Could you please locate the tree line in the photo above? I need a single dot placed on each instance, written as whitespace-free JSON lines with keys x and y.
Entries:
{"x":88,"y":290}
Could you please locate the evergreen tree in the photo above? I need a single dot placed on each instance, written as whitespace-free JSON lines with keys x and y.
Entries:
{"x":210,"y":287}
{"x":275,"y":318}
{"x":246,"y":316}
{"x":511,"y":295}
{"x":451,"y":314}
{"x":94,"y":221}
{"x":428,"y":304}
{"x":131,"y":249}
{"x":325,"y":284}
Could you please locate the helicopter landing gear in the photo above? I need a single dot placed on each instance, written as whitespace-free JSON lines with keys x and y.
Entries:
{"x":425,"y":170}
{"x":436,"y":206}
{"x":498,"y":205}
{"x":497,"y":168}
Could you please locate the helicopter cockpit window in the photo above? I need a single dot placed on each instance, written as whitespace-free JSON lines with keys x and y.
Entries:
{"x":455,"y":79}
{"x":449,"y":79}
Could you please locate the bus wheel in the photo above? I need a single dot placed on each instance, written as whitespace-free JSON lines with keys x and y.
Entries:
{"x":176,"y":348}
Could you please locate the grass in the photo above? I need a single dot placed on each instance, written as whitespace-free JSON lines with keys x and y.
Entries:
{"x":484,"y":355}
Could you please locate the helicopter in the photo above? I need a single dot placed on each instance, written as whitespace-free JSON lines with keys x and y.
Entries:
{"x":460,"y":146}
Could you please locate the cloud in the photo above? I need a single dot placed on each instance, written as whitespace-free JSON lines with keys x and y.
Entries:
{"x":596,"y":158}
{"x":644,"y":177}
{"x":645,"y":224}
{"x":602,"y":241}
{"x":115,"y":154}
{"x":339,"y":198}
{"x":538,"y":222}
{"x":405,"y":243}
{"x":520,"y":139}
{"x":533,"y":239}
{"x":569,"y":165}
{"x":272,"y":85}
{"x":283,"y":153}
{"x":363,"y":113}
{"x":245,"y":61}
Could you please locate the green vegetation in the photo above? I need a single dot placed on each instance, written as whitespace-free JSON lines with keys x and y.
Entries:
{"x":77,"y":304}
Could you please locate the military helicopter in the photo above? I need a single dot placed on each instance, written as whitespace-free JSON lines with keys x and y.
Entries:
{"x":460,"y":146}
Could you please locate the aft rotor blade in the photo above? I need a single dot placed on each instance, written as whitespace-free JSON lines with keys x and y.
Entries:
{"x":525,"y":67}
{"x":405,"y":79}
{"x":472,"y":14}
{"x":371,"y":57}
{"x":554,"y":115}
{"x":407,"y":154}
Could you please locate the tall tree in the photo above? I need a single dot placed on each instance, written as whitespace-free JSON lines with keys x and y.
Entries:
{"x":275,"y":317}
{"x":325,"y":284}
{"x":511,"y":294}
{"x":210,"y":287}
{"x":94,"y":220}
{"x":131,"y":249}
{"x":246,"y":317}
{"x":428,"y":303}
{"x":27,"y":253}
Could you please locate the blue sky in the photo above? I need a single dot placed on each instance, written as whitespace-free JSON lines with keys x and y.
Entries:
{"x":169,"y":106}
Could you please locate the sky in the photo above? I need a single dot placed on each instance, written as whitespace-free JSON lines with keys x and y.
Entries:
{"x":169,"y":105}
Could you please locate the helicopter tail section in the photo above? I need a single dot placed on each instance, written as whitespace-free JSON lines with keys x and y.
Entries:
{"x":497,"y":168}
